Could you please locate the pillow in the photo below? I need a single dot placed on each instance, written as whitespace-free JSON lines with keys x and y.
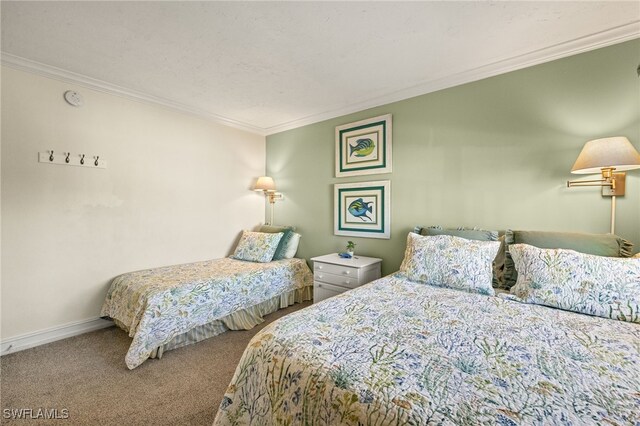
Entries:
{"x":472,"y":234}
{"x":292,"y":247}
{"x":462,"y":232}
{"x":451,"y":262}
{"x":257,"y":246}
{"x":287,"y":232}
{"x":599,"y":244}
{"x":596,"y":285}
{"x":275,"y":228}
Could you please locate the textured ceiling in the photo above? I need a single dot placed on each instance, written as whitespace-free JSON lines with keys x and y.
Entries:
{"x":268,"y":66}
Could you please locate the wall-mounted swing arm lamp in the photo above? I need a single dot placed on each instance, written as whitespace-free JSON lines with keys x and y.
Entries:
{"x":610,"y":157}
{"x":268,"y":186}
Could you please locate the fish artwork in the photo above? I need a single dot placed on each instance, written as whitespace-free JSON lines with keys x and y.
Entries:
{"x":362,"y":148}
{"x":359,"y":208}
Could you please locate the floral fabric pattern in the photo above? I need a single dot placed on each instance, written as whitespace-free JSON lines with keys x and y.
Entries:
{"x":396,"y":352}
{"x":452,"y":262}
{"x":596,"y":285}
{"x":257,"y":246}
{"x":155,"y":305}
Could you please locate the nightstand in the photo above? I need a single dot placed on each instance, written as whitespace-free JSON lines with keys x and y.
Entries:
{"x":333,"y":275}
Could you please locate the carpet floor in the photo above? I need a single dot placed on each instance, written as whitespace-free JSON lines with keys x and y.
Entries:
{"x":87,"y":376}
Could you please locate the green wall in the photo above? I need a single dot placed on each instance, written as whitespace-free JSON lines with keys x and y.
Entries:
{"x":495,"y":153}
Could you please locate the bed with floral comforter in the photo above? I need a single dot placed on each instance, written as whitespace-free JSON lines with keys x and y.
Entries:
{"x":396,"y":352}
{"x":158,"y":305}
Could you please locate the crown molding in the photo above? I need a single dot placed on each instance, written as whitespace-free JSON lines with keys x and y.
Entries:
{"x":604,"y":38}
{"x":70,"y":77}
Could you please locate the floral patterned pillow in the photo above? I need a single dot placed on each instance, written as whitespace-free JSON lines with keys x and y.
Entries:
{"x":452,"y":262}
{"x":257,"y":246}
{"x":596,"y":285}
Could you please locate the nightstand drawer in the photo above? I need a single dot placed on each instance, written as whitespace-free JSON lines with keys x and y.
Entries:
{"x":340,"y":280}
{"x":340,"y":270}
{"x":323,"y":291}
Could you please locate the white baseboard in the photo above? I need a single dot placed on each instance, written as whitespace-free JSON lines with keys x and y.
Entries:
{"x":37,"y":338}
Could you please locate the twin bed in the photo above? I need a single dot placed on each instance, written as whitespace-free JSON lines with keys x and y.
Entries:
{"x":170,"y":307}
{"x":167,"y":308}
{"x":412,"y":349}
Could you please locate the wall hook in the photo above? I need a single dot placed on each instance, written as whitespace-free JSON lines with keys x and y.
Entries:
{"x":65,"y":158}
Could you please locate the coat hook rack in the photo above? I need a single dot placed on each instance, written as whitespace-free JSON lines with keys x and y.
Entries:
{"x":69,"y":159}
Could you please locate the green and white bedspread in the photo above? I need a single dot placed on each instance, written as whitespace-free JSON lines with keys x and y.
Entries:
{"x":395,"y":352}
{"x":155,"y":305}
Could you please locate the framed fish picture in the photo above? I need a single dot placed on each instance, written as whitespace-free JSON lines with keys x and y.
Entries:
{"x":363,"y":209}
{"x":364,"y":147}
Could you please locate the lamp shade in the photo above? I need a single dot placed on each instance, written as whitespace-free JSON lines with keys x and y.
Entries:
{"x":265,"y":183}
{"x":616,"y":152}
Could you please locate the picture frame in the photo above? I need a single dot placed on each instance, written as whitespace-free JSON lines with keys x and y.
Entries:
{"x":363,"y":209}
{"x":364,"y":147}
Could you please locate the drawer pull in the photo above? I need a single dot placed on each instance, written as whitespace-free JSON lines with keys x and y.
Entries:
{"x":347,"y":272}
{"x":319,"y":266}
{"x":347,"y":282}
{"x":320,"y":276}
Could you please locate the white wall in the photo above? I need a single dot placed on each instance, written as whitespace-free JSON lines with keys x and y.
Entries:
{"x":176,"y":190}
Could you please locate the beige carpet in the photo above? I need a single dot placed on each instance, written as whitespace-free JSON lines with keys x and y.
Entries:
{"x":87,"y":375}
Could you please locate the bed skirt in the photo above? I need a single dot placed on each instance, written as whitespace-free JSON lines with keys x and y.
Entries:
{"x":243,"y":319}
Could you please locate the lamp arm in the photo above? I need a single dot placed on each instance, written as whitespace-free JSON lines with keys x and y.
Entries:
{"x":594,"y":182}
{"x":274,"y":196}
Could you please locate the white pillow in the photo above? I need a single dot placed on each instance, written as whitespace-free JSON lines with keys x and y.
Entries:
{"x":292,"y":246}
{"x":448,"y":261}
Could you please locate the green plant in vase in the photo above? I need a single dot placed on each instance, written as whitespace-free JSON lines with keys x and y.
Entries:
{"x":351,"y":247}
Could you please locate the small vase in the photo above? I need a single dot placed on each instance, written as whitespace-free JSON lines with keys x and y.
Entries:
{"x":350,"y":253}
